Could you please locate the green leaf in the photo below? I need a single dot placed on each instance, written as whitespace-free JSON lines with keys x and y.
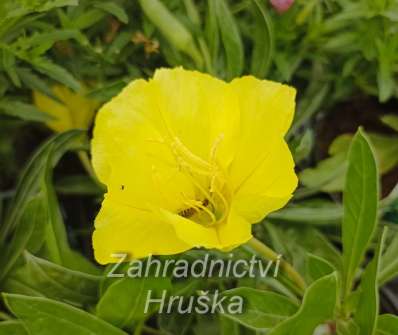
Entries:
{"x":347,"y":327}
{"x":390,"y":120}
{"x":55,"y":234}
{"x":56,"y":72}
{"x":330,"y":214}
{"x":386,"y":151}
{"x":361,"y":195}
{"x":12,"y":328}
{"x":56,"y":282}
{"x":303,"y":146}
{"x":8,"y":60}
{"x":13,"y":8}
{"x":78,"y":185}
{"x":389,"y":268}
{"x":319,"y":267}
{"x":34,"y":82}
{"x":56,"y":241}
{"x":231,"y":40}
{"x":175,"y":323}
{"x":42,"y":316}
{"x":107,"y":92}
{"x":114,"y":9}
{"x":85,"y":20}
{"x":317,"y":307}
{"x":114,"y":49}
{"x":385,"y":74}
{"x":263,"y":41}
{"x":387,"y":324}
{"x":328,"y":175}
{"x":131,"y":296}
{"x":206,"y":324}
{"x":37,"y":177}
{"x":40,"y":43}
{"x":309,"y":104}
{"x":262,"y":309}
{"x":228,"y":326}
{"x":212,"y":31}
{"x":192,"y":12}
{"x":368,"y":306}
{"x":23,"y":111}
{"x":33,"y":220}
{"x":296,"y":242}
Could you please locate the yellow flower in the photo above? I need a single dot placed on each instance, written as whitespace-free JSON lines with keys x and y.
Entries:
{"x":75,"y":111}
{"x":190,"y":161}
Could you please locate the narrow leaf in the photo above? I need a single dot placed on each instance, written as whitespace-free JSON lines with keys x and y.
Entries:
{"x":33,"y":218}
{"x":43,"y":316}
{"x":12,"y":328}
{"x":368,"y":305}
{"x":263,"y":41}
{"x":131,"y":295}
{"x":387,"y":324}
{"x":389,"y":268}
{"x":319,"y":267}
{"x":23,"y":111}
{"x":114,"y":9}
{"x":318,"y":306}
{"x":348,"y":327}
{"x":56,"y":72}
{"x":212,"y":31}
{"x":56,"y":282}
{"x":360,"y":206}
{"x":231,"y":39}
{"x":262,"y":309}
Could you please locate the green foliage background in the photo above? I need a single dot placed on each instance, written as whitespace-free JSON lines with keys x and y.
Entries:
{"x":344,"y":247}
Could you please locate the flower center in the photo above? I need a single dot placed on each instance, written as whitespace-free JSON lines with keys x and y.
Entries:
{"x":211,"y":205}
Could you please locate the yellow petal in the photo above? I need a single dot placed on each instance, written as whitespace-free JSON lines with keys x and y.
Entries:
{"x":122,"y":229}
{"x":75,"y":111}
{"x":269,"y":187}
{"x":61,"y":117}
{"x":191,"y":232}
{"x":81,"y":109}
{"x":266,"y":112}
{"x":111,"y":126}
{"x":235,"y":231}
{"x":130,"y":154}
{"x":200,"y":110}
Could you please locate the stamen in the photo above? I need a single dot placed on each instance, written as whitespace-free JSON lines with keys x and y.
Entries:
{"x":208,"y":212}
{"x":201,"y":163}
{"x":204,"y":192}
{"x":195,"y":168}
{"x":215,"y":146}
{"x":225,"y":204}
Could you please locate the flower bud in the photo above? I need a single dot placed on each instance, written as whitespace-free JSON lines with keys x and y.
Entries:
{"x":282,"y":6}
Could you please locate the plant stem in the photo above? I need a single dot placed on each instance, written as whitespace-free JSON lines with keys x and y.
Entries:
{"x":271,"y":255}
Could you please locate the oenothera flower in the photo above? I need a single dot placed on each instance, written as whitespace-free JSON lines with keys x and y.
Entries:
{"x":73,"y":111}
{"x":190,"y":161}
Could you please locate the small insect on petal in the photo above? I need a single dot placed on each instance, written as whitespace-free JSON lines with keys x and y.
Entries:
{"x":282,"y":6}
